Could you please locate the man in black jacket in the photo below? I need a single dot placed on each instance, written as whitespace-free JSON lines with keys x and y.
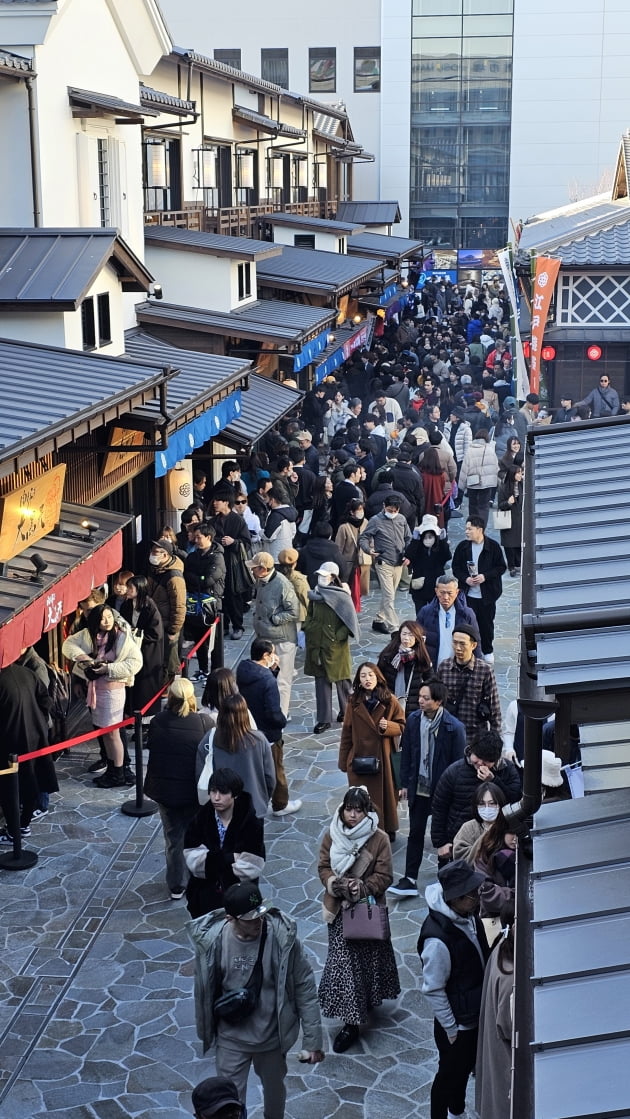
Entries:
{"x":345,"y":491}
{"x":456,"y":787}
{"x":407,"y":481}
{"x":432,"y":740}
{"x":232,"y":533}
{"x":320,"y":548}
{"x":478,"y":565}
{"x":204,"y":574}
{"x":385,"y":490}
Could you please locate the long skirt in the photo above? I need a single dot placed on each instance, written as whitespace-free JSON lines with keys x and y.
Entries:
{"x":357,"y":976}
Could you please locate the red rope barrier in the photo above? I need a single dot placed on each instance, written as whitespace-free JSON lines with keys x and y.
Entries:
{"x":89,"y":735}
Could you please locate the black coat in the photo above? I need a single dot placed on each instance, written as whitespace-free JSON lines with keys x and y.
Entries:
{"x":205,"y":571}
{"x":408,"y":482}
{"x":491,"y":564}
{"x":24,"y":708}
{"x":450,"y":743}
{"x":317,"y":551}
{"x":428,"y":563}
{"x":375,"y":501}
{"x":259,"y":688}
{"x":245,"y":832}
{"x":149,"y":679}
{"x":429,"y":618}
{"x":172,"y":744}
{"x":343,"y":493}
{"x":453,"y":796}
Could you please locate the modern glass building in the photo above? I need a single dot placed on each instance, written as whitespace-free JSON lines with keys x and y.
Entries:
{"x":461,"y":86}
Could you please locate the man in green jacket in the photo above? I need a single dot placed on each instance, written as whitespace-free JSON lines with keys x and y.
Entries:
{"x":228,"y":943}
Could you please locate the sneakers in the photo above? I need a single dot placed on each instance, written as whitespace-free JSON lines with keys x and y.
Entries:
{"x":319,"y":728}
{"x":200,"y":676}
{"x":404,"y":888}
{"x":98,"y":766}
{"x":292,"y":806}
{"x":489,"y":658}
{"x":177,"y":894}
{"x":129,"y":776}
{"x":6,"y":837}
{"x":113,"y":779}
{"x":39,"y":812}
{"x":236,"y":634}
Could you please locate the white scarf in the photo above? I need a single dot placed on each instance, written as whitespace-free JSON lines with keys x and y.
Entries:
{"x":347,"y":842}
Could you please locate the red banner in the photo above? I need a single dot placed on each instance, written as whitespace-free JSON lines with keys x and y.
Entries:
{"x":544,"y":285}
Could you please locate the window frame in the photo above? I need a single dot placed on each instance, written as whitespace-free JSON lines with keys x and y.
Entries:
{"x":322,"y":54}
{"x":274,"y":54}
{"x":88,"y":324}
{"x":363,"y":54}
{"x":104,"y":319}
{"x":244,"y":273}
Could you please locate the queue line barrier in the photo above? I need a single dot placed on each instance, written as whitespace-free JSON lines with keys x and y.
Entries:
{"x":21,"y":859}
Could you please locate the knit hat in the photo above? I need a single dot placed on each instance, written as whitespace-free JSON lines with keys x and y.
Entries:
{"x":551,"y":770}
{"x":465,"y":379}
{"x":165,"y":545}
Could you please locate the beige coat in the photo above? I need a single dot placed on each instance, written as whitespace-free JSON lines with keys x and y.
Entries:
{"x":373,"y":866}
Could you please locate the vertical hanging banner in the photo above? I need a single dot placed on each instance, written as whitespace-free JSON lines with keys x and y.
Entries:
{"x":522,"y":381}
{"x":544,"y":285}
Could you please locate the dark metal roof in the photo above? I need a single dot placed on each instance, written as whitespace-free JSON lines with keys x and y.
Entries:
{"x":303,"y":221}
{"x":14,"y":65}
{"x":202,"y":377}
{"x":65,"y":390}
{"x":52,"y":269}
{"x":369,"y":213}
{"x":62,"y":551}
{"x":315,"y":271}
{"x":605,"y":756}
{"x":609,"y":247}
{"x":263,"y":123}
{"x":214,"y":244}
{"x":166,"y":102}
{"x":578,"y":219}
{"x":271,"y":319}
{"x":264,"y":403}
{"x":85,"y":102}
{"x":585,"y":333}
{"x":379,"y":244}
{"x":581,"y":972}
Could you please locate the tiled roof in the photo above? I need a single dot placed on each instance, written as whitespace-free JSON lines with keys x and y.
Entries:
{"x":313,"y":270}
{"x":303,"y":221}
{"x":608,"y":247}
{"x":15,"y":62}
{"x":165,"y":101}
{"x":266,"y":124}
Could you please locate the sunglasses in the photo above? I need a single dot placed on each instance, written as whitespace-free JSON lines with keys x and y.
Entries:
{"x":240,"y":502}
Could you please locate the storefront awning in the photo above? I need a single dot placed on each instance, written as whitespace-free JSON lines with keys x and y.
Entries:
{"x":262,"y":406}
{"x":76,"y":560}
{"x":347,"y":340}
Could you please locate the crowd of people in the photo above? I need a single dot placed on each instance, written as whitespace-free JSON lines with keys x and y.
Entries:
{"x":354,"y":494}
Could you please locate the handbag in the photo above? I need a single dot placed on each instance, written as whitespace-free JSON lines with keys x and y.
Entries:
{"x":201,"y":606}
{"x":492,"y":929}
{"x":366,"y":921}
{"x":238,"y":1005}
{"x":417,"y":583}
{"x":366,"y":767}
{"x":203,"y":796}
{"x":137,"y":636}
{"x":502,"y":519}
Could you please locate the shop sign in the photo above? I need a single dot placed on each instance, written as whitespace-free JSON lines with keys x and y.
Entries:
{"x":29,"y":513}
{"x":125,"y":438}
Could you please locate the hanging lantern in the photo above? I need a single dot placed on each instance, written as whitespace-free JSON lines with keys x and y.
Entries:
{"x":180,"y":487}
{"x":301,"y":173}
{"x":156,"y":165}
{"x":322,"y":175}
{"x":548,"y":353}
{"x":277,"y":171}
{"x":594,"y":353}
{"x":246,"y":170}
{"x":208,"y":174}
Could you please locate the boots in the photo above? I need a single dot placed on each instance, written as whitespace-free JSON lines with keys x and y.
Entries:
{"x":113,"y":778}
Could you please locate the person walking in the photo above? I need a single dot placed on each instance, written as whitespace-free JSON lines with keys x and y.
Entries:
{"x":250,"y":943}
{"x":405,"y":664}
{"x":452,"y":947}
{"x":275,"y":618}
{"x":247,"y":752}
{"x":372,"y":722}
{"x":170,"y":780}
{"x":331,"y":622}
{"x":440,"y":616}
{"x":479,"y":474}
{"x":224,"y":844}
{"x":478,"y":566}
{"x":472,"y":689}
{"x":358,"y":563}
{"x":428,"y":553}
{"x":510,"y":500}
{"x":493,"y":1072}
{"x":355,"y":862}
{"x":385,"y":538}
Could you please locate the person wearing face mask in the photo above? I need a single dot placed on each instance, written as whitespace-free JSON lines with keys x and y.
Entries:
{"x":428,"y":553}
{"x":386,"y":537}
{"x":494,"y":856}
{"x":487,"y":802}
{"x":331,"y":621}
{"x":453,"y":949}
{"x":358,"y":562}
{"x":167,"y":588}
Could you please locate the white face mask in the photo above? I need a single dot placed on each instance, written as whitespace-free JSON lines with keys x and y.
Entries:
{"x":155,"y":560}
{"x":324,"y":580}
{"x":488,"y":812}
{"x":390,"y":515}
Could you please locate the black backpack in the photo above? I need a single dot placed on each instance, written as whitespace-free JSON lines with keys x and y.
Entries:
{"x":59,"y":691}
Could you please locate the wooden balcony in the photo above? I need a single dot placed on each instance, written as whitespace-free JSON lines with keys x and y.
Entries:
{"x":234,"y":221}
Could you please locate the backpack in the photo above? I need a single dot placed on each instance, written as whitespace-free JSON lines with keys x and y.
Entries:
{"x":59,"y":692}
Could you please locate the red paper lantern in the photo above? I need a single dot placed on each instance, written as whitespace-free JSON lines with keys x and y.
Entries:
{"x":526,"y":349}
{"x":594,"y":353}
{"x":548,"y":353}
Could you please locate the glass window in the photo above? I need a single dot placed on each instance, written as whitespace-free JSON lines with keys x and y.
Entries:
{"x":367,"y":69}
{"x":244,"y":281}
{"x":491,"y":46}
{"x":231,"y":57}
{"x":322,"y":69}
{"x":486,"y":84}
{"x":437,"y":7}
{"x":433,"y":230}
{"x":304,"y":240}
{"x":274,"y":65}
{"x":88,"y":325}
{"x":435,"y":81}
{"x":487,"y":25}
{"x":438,"y":48}
{"x":104,"y":319}
{"x":438,"y":28}
{"x":480,"y":7}
{"x":435,"y":165}
{"x":484,"y":232}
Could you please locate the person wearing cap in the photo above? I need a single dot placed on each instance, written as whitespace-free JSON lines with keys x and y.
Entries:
{"x":227,"y":946}
{"x":562,"y":415}
{"x":603,"y":400}
{"x":276,"y":614}
{"x":331,"y":621}
{"x":453,"y":949}
{"x":217,"y":1098}
{"x":311,"y":455}
{"x":167,"y":588}
{"x":286,"y":565}
{"x":385,"y":538}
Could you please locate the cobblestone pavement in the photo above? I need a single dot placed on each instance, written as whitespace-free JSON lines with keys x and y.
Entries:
{"x":96,"y":968}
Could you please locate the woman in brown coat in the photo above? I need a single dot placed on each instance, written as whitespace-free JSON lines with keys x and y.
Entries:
{"x":373,"y":719}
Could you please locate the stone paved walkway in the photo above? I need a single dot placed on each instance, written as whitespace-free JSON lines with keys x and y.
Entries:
{"x":96,"y":1009}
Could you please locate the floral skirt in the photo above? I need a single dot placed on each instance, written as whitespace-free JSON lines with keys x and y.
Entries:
{"x":357,"y":976}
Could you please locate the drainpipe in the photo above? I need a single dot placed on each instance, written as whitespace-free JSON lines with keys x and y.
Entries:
{"x":31,"y":94}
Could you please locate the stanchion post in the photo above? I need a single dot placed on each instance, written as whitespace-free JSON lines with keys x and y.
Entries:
{"x":217,"y":656}
{"x":17,"y":859}
{"x":141,"y":806}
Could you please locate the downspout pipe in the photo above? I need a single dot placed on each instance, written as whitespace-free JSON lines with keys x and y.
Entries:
{"x":517,"y":816}
{"x":31,"y":94}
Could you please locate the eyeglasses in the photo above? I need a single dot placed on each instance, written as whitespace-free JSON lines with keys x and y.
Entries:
{"x":240,"y":502}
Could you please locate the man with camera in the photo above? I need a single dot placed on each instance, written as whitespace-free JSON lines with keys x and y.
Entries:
{"x":254,"y":988}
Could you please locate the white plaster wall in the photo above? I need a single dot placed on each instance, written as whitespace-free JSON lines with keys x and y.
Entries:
{"x":285,"y":235}
{"x":395,"y":123}
{"x":106,"y":281}
{"x":46,"y":328}
{"x":195,"y":279}
{"x":16,"y":196}
{"x":251,"y":25}
{"x":571,"y":99}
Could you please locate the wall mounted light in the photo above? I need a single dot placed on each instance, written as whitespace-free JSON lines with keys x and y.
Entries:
{"x":40,"y":566}
{"x":276,"y":171}
{"x":156,"y":164}
{"x":357,"y":319}
{"x":206,"y":167}
{"x":245,"y":170}
{"x":90,"y":527}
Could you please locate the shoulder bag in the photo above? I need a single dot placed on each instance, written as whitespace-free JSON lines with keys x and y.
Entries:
{"x":366,"y":921}
{"x":237,"y":1005}
{"x":502,"y":520}
{"x":366,"y":767}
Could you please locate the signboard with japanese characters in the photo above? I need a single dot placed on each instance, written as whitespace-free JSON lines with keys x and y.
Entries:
{"x":547,"y":269}
{"x":30,"y":512}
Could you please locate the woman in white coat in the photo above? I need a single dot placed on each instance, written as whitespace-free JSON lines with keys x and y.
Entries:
{"x":479,"y":474}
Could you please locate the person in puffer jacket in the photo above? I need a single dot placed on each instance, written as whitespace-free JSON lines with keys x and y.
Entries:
{"x":479,"y":474}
